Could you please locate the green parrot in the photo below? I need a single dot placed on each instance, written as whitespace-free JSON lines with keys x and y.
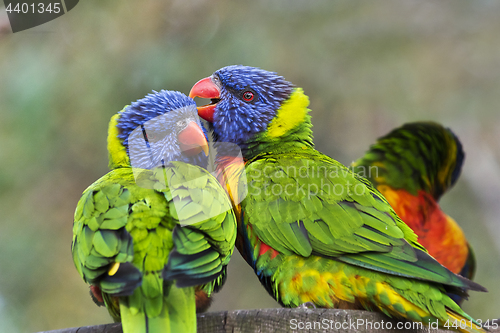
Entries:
{"x":412,"y":166}
{"x":312,"y":230}
{"x":158,"y":225}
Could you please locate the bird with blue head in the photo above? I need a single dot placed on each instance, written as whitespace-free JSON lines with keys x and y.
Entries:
{"x":312,"y":230}
{"x":158,"y":226}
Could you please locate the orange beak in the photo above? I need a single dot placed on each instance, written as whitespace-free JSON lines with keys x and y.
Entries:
{"x":205,"y":88}
{"x":192,"y":140}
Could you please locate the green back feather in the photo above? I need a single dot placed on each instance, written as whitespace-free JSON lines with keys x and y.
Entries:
{"x":306,"y":203}
{"x":117,"y":221}
{"x":302,"y":202}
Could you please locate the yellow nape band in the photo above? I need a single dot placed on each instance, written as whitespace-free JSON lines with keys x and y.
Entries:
{"x":114,"y":268}
{"x":290,"y":114}
{"x":117,"y":153}
{"x":445,"y":173}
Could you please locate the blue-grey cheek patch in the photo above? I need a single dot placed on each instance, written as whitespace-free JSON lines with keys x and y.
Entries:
{"x":154,"y":143}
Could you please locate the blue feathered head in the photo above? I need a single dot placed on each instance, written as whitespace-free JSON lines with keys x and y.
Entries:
{"x":162,"y":127}
{"x":244,"y":100}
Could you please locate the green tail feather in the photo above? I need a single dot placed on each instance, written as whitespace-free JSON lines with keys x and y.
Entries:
{"x":425,"y":268}
{"x":178,"y":313}
{"x":135,"y":321}
{"x":181,"y":305}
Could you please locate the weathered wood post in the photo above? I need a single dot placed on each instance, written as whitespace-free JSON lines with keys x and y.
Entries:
{"x":292,"y":320}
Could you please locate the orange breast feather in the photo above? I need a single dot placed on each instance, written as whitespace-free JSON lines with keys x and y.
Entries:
{"x":436,"y":231}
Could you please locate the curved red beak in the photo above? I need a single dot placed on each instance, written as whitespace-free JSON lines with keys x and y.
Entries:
{"x":206,"y":88}
{"x":192,"y":140}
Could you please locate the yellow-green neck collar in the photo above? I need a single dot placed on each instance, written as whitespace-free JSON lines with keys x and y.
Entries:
{"x":117,"y":153}
{"x":290,"y":115}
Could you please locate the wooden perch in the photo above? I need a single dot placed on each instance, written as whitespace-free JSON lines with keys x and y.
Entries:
{"x":290,"y":320}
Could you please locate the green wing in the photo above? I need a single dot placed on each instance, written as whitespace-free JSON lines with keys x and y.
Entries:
{"x":121,"y":241}
{"x":306,"y":203}
{"x":206,"y":232}
{"x":103,"y":233}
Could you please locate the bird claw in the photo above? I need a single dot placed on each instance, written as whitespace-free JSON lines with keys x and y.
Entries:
{"x":307,"y":305}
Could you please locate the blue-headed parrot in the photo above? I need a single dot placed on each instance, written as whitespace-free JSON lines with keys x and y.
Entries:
{"x":313,"y":230}
{"x":158,"y":225}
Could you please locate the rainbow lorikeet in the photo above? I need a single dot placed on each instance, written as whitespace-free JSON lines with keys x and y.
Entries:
{"x":312,"y":230}
{"x":158,"y":224}
{"x":412,"y":167}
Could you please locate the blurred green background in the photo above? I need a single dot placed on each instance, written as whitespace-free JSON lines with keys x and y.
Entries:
{"x":368,"y":66}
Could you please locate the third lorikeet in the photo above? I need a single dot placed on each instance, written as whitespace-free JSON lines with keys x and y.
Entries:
{"x":158,"y":223}
{"x":412,"y":167}
{"x":312,"y":230}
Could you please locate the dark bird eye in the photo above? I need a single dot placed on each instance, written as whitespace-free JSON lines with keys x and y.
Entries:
{"x":248,"y":96}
